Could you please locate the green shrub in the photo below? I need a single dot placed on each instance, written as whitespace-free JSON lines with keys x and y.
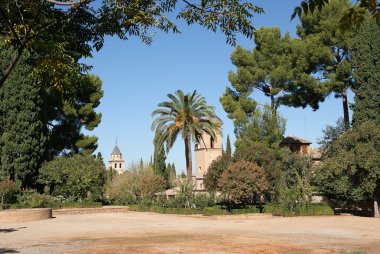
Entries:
{"x":8,"y":191}
{"x":307,"y":210}
{"x":32,"y":199}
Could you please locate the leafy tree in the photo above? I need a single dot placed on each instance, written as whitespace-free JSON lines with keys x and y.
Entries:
{"x":330,"y":134}
{"x":320,"y":34}
{"x":44,"y":26}
{"x":352,"y":172}
{"x":23,"y":133}
{"x":77,"y":178}
{"x":150,"y":184}
{"x":228,"y":152}
{"x":243,"y":182}
{"x":187,"y":115}
{"x":365,"y":60}
{"x":263,"y":127}
{"x":284,"y":170}
{"x":215,"y":170}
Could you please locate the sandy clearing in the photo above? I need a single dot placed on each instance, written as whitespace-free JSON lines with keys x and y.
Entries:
{"x":135,"y":232}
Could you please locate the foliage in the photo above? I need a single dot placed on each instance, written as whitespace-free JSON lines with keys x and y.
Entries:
{"x":135,"y":185}
{"x":215,"y":170}
{"x":228,"y":152}
{"x":23,"y":134}
{"x":352,"y":171}
{"x":277,"y":210}
{"x":308,"y":210}
{"x":365,"y":60}
{"x":8,"y":189}
{"x":187,"y":115}
{"x":76,"y":178}
{"x":330,"y":134}
{"x":70,"y":113}
{"x":284,"y":170}
{"x":264,"y":127}
{"x":243,"y":182}
{"x":355,"y":15}
{"x":151,"y":184}
{"x":326,"y":51}
{"x":123,"y":189}
{"x":33,"y":199}
{"x":159,"y":165}
{"x":56,"y":32}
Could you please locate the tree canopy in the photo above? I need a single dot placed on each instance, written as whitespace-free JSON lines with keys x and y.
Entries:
{"x":63,"y":34}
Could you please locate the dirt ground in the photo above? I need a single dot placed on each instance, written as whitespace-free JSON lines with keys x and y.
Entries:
{"x":135,"y":232}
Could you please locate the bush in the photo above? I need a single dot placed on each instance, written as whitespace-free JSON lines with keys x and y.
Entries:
{"x":32,"y":199}
{"x":8,"y":191}
{"x":308,"y":210}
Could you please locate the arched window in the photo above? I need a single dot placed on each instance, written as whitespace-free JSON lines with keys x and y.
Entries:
{"x":120,"y":165}
{"x":115,"y":165}
{"x":211,"y":142}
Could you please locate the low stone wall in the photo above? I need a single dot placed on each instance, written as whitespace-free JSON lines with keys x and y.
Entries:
{"x":104,"y":209}
{"x":13,"y":215}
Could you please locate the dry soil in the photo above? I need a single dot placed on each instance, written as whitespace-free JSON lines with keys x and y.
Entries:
{"x":135,"y":232}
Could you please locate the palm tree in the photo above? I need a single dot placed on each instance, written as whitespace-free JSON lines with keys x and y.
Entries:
{"x":188,"y":115}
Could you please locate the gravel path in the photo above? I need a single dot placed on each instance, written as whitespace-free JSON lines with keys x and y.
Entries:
{"x":135,"y":232}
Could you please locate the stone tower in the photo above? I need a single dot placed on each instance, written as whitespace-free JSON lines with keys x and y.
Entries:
{"x":116,"y":161}
{"x":205,"y":153}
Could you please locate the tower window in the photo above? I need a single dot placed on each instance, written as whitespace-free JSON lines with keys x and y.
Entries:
{"x":115,"y":165}
{"x":120,"y":165}
{"x":211,"y":142}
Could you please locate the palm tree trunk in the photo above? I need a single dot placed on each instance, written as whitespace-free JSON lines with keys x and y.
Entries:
{"x":189,"y":166}
{"x":345,"y":110}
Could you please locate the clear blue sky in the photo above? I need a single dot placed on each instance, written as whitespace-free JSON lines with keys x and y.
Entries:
{"x":136,"y":77}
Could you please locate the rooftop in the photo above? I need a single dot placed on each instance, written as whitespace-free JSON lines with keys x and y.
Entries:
{"x":294,"y":140}
{"x":116,"y":151}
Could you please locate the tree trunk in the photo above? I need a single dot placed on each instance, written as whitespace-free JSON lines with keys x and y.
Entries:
{"x":375,"y":209}
{"x":5,"y":74}
{"x":189,"y":167}
{"x":345,"y":110}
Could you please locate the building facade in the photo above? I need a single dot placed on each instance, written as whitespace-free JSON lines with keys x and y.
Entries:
{"x":116,"y":161}
{"x":206,"y":152}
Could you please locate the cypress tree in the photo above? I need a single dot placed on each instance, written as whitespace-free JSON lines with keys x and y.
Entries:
{"x":23,"y":133}
{"x":366,"y":61}
{"x":228,"y":152}
{"x":159,"y":165}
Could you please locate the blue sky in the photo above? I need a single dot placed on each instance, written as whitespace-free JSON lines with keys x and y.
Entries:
{"x":136,"y":77}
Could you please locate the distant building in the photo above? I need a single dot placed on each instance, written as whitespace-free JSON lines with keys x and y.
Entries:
{"x":296,"y":145}
{"x":116,"y":161}
{"x":205,"y":153}
{"x":302,"y":146}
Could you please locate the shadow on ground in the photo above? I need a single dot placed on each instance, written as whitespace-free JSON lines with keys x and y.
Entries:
{"x":6,"y":250}
{"x":10,"y":230}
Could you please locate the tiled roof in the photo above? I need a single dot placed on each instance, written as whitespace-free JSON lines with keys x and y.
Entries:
{"x":294,"y":140}
{"x":116,"y":151}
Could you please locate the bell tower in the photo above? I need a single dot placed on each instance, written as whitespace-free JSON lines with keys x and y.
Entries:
{"x":206,"y":151}
{"x":116,"y":161}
